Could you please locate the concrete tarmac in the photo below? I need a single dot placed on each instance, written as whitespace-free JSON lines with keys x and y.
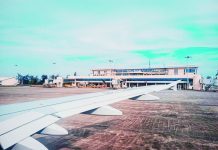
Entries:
{"x":178,"y":120}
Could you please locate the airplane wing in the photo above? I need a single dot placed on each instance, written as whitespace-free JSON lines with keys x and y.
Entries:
{"x":18,"y":122}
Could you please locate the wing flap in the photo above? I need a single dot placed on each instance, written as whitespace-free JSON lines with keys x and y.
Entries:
{"x":18,"y":134}
{"x":29,"y":144}
{"x":10,"y":124}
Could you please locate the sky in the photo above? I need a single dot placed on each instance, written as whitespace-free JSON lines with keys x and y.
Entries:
{"x":66,"y":36}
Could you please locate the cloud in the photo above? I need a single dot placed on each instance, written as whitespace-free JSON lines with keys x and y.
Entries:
{"x":79,"y":58}
{"x":150,"y":54}
{"x":88,"y":33}
{"x":206,"y":58}
{"x":196,"y":52}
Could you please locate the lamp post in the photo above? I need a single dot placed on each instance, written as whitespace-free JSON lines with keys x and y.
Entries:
{"x":187,"y":69}
{"x":18,"y":76}
{"x":16,"y":66}
{"x":149,"y":63}
{"x":111,"y":61}
{"x":54,"y":63}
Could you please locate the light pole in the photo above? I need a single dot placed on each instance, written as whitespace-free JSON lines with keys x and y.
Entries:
{"x":54,"y":63}
{"x":17,"y":75}
{"x":16,"y":70}
{"x":187,"y":69}
{"x":111,"y":61}
{"x":149,"y":63}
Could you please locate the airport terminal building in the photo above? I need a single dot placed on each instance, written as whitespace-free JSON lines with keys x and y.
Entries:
{"x":190,"y":79}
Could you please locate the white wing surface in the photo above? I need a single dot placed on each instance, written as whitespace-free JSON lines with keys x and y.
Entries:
{"x":19,"y":121}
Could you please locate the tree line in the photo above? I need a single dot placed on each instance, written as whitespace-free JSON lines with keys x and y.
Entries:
{"x":33,"y":80}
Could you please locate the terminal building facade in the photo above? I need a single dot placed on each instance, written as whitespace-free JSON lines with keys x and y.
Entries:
{"x":190,"y":79}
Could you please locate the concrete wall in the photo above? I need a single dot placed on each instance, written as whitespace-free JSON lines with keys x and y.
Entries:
{"x":170,"y":71}
{"x":8,"y":81}
{"x":197,"y":82}
{"x":180,"y":71}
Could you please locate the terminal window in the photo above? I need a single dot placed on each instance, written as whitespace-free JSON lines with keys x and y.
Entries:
{"x":190,"y":70}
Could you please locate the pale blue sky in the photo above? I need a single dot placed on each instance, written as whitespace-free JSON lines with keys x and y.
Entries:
{"x":83,"y":34}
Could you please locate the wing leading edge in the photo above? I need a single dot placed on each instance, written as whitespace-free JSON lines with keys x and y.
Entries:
{"x":19,"y":121}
